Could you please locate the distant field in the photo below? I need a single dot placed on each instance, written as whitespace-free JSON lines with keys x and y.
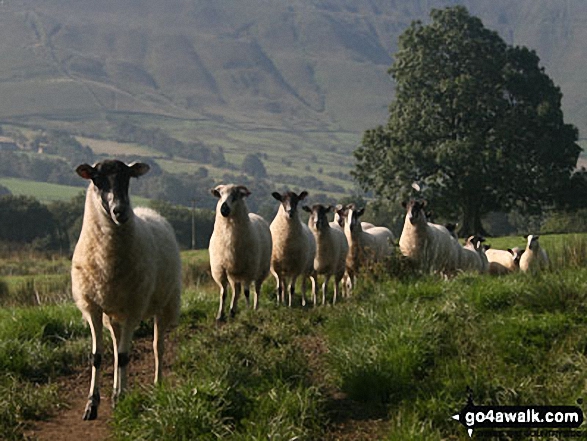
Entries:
{"x":43,"y":191}
{"x":46,"y":192}
{"x":106,"y":147}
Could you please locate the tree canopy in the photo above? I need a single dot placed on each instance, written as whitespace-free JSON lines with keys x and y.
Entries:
{"x":476,"y":122}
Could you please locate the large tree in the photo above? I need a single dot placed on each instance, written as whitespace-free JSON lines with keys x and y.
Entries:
{"x":476,"y":122}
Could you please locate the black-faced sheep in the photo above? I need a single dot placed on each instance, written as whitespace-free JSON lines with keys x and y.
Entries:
{"x":429,"y":246}
{"x":502,"y":261}
{"x":126,"y":267}
{"x":294,"y":246}
{"x":472,"y":255}
{"x":372,"y":245}
{"x":240,"y":246}
{"x":534,"y":258}
{"x":331,"y":250}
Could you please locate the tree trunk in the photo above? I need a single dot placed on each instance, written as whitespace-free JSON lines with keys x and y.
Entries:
{"x":471,"y":221}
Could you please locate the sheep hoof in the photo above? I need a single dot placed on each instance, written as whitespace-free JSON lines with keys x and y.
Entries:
{"x":91,"y":412}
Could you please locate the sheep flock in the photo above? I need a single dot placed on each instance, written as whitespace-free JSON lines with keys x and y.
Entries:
{"x":126,"y":266}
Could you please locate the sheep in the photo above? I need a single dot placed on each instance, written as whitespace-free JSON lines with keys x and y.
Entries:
{"x":331,"y":250}
{"x":429,"y":246}
{"x":472,"y":255}
{"x":534,"y":258}
{"x":371,"y":245}
{"x":294,"y":246}
{"x":240,"y":247}
{"x":501,"y":261}
{"x":125,"y":268}
{"x":340,"y":214}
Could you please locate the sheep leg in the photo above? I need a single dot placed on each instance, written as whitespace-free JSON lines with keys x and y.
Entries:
{"x":279,"y":286}
{"x":256,"y":293}
{"x":304,"y":280}
{"x":324,"y":288}
{"x":314,"y":280}
{"x":336,"y":289}
{"x":121,"y":344}
{"x":158,"y":347}
{"x":94,"y":319}
{"x":223,"y":288}
{"x":236,"y":291}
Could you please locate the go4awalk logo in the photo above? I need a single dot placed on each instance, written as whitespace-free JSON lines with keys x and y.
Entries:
{"x":518,"y":417}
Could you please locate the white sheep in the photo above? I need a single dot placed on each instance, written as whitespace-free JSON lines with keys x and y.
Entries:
{"x":240,"y":247}
{"x":472,"y":255}
{"x":340,"y":215}
{"x":331,"y":250}
{"x":429,"y":246}
{"x":294,"y":246}
{"x":534,"y":258}
{"x":365,"y":247}
{"x":126,"y":267}
{"x":502,"y":261}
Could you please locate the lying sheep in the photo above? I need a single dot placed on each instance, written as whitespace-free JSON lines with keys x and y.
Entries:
{"x":502,"y":261}
{"x":429,"y":246}
{"x":240,"y":247}
{"x":331,"y":250}
{"x":534,"y":258}
{"x":371,"y":245}
{"x":125,"y":268}
{"x":294,"y":246}
{"x":472,"y":255}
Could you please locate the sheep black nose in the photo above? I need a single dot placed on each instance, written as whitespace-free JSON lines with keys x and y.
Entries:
{"x":120,"y":214}
{"x":224,"y":210}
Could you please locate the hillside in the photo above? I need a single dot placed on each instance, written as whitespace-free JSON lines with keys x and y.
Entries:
{"x":299,"y":79}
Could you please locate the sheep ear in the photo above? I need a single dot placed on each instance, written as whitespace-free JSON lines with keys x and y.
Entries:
{"x":424,"y":203}
{"x":511,"y":251}
{"x":526,"y":236}
{"x":404,"y":204}
{"x":303,"y":195}
{"x":306,"y":208}
{"x":215,"y":192}
{"x":86,"y":171}
{"x":330,"y":209}
{"x":243,"y":191}
{"x":277,"y":196}
{"x":138,"y":169}
{"x":535,"y":237}
{"x":486,"y":247}
{"x":360,"y":212}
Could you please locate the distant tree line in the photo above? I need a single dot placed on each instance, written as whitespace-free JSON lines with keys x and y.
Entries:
{"x":159,"y":140}
{"x":27,"y":223}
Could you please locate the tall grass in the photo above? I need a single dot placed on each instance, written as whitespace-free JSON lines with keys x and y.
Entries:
{"x":401,"y":351}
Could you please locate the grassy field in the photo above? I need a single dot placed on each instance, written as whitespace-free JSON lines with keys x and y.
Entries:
{"x":392,"y":362}
{"x":46,"y":192}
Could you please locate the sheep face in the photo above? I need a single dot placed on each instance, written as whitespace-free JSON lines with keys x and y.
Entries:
{"x":353,"y":216}
{"x":341,"y":211}
{"x":110,"y":183}
{"x":517,"y":254}
{"x":415,"y":211}
{"x":318,"y":216}
{"x":229,"y":195}
{"x":289,"y":200}
{"x":532,"y":242}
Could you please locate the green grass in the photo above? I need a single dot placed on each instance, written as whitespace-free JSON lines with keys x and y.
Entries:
{"x":403,"y":350}
{"x":43,"y":191}
{"x":46,"y":192}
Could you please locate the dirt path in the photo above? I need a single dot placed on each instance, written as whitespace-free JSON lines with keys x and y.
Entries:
{"x":349,"y":420}
{"x":67,"y":423}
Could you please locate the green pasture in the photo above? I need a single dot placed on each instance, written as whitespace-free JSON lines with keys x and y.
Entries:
{"x":46,"y":192}
{"x":394,"y":361}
